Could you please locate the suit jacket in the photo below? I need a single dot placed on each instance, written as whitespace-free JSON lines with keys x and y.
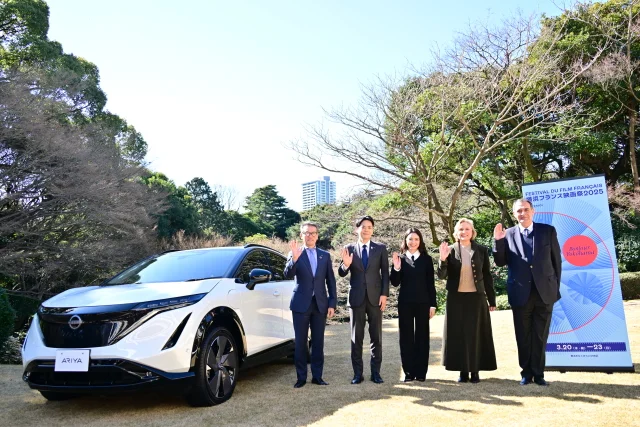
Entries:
{"x":545,"y":268}
{"x":308,"y":285}
{"x":450,"y":269}
{"x":417,"y":282}
{"x":374,"y":280}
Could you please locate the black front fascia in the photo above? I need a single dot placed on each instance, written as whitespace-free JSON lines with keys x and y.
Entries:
{"x":104,"y":375}
{"x":99,"y":326}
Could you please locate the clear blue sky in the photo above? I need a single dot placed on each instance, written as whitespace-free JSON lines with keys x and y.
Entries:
{"x":217,"y":87}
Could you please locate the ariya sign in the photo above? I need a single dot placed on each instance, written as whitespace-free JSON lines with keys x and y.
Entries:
{"x":588,"y":327}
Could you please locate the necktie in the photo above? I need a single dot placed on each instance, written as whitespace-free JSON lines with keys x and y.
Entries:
{"x":525,"y":232}
{"x":365,"y":256}
{"x":413,"y":258}
{"x":311,"y":254}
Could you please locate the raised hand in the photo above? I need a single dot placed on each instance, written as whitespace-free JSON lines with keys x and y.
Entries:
{"x":499,"y":232}
{"x":397,"y":263}
{"x":296,"y":250}
{"x":347,"y":258}
{"x":445,"y":250}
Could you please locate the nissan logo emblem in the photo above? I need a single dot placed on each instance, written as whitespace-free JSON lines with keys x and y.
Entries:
{"x":75,"y":322}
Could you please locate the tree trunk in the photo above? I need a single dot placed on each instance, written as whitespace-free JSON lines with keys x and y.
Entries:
{"x":633,"y":117}
{"x":527,"y":160}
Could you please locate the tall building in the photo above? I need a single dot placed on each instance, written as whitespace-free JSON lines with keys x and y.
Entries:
{"x":320,"y":192}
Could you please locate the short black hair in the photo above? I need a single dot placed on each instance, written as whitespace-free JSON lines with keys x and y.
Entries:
{"x":364,"y":218}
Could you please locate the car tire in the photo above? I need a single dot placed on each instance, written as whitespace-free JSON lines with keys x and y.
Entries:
{"x":216,"y":369}
{"x":55,"y":396}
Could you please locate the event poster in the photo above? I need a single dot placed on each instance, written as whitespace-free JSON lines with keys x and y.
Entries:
{"x":588,"y":327}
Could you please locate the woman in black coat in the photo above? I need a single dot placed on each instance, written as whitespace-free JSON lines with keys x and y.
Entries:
{"x":413,"y":271}
{"x":468,"y":340}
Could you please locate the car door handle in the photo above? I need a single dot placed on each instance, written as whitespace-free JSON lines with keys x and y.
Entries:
{"x":276,"y":293}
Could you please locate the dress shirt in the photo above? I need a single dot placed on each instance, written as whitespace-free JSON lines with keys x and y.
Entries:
{"x":521,"y":228}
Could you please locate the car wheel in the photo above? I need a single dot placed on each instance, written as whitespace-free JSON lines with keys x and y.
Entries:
{"x":216,"y":369}
{"x":55,"y":396}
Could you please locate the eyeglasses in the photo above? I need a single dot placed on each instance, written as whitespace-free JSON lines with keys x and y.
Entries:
{"x":313,"y":233}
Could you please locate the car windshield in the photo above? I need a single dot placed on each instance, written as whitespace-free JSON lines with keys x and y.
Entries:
{"x":180,"y":266}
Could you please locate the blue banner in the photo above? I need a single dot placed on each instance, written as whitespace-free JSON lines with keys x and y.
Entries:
{"x":588,"y":327}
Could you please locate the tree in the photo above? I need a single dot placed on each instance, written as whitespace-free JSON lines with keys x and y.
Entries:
{"x":210,"y":211}
{"x":180,"y":213}
{"x":56,"y":75}
{"x":71,"y":209}
{"x":228,"y":196}
{"x":427,"y":138}
{"x":238,"y":226}
{"x":268,"y":209}
{"x":611,"y":88}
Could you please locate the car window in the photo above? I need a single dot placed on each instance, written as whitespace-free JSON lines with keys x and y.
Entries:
{"x":179,"y":266}
{"x":278,"y":263}
{"x":255,"y":259}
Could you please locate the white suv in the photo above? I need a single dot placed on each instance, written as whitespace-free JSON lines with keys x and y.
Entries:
{"x":183,"y":318}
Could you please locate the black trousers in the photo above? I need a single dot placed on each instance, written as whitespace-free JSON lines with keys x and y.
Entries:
{"x":413,"y":320}
{"x":531,"y":323}
{"x":358,"y":316}
{"x":301,"y":322}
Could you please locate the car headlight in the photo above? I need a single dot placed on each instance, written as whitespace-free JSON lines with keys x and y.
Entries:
{"x":169,"y":303}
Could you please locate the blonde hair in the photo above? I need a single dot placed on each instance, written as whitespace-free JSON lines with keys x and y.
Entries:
{"x":468,"y":221}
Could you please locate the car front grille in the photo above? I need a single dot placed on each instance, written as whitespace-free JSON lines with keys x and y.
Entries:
{"x":88,"y":327}
{"x":102,"y":373}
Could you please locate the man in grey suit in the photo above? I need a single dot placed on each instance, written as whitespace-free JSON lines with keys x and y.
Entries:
{"x":532,"y":255}
{"x":368,"y":263}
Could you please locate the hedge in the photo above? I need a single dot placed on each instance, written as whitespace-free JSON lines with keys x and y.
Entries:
{"x":630,"y":285}
{"x":7,"y":317}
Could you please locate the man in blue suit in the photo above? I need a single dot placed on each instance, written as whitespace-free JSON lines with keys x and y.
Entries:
{"x":310,"y":305}
{"x":532,"y":255}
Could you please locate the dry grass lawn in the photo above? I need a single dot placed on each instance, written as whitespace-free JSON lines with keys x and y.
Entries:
{"x":265,"y":396}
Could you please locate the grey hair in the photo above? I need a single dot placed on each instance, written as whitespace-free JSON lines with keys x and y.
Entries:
{"x":522,"y":201}
{"x":312,"y":224}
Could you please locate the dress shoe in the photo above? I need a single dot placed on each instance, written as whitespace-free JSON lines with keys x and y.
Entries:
{"x":319,"y":381}
{"x":376,"y":378}
{"x":299,"y":384}
{"x":408,"y":378}
{"x":464,"y":377}
{"x":421,"y":379}
{"x":475,"y":378}
{"x":525,"y":381}
{"x":357,"y":379}
{"x":540,"y":381}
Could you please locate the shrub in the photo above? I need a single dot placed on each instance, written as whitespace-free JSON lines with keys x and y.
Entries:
{"x":630,"y":285}
{"x":502,"y":302}
{"x":25,"y":308}
{"x":7,"y":317}
{"x":441,"y":298}
{"x":10,"y":350}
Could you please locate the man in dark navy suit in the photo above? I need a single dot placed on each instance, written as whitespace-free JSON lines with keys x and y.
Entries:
{"x":310,"y":304}
{"x":532,"y":254}
{"x":368,"y":263}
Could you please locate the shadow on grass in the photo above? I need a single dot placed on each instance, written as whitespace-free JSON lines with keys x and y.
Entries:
{"x":267,"y":390}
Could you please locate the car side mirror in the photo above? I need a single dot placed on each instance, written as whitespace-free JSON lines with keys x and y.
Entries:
{"x":258,"y":275}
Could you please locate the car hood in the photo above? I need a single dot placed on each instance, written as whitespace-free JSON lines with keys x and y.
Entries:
{"x":91,"y":296}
